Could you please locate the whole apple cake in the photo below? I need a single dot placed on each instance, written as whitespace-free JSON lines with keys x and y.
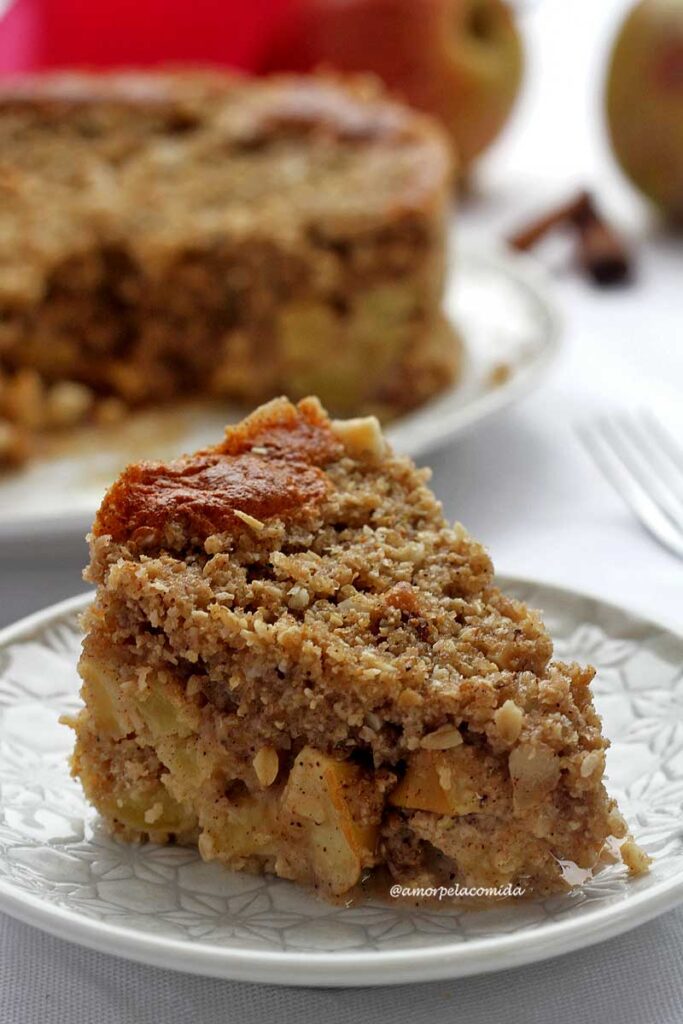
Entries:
{"x":195,"y":233}
{"x":296,"y":663}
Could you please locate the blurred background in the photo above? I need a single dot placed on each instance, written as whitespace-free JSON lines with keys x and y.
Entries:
{"x":523,"y":90}
{"x":568,"y":118}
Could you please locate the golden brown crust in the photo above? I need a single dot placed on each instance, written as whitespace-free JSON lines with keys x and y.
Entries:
{"x":269,"y":465}
{"x":299,"y":433}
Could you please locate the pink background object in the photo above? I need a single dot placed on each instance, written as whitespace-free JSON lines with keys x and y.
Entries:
{"x":107,"y":33}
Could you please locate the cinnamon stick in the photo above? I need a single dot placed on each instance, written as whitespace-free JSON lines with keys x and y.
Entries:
{"x":529,"y":236}
{"x":602,"y":253}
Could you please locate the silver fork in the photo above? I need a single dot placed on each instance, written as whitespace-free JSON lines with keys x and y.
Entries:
{"x":644,"y":464}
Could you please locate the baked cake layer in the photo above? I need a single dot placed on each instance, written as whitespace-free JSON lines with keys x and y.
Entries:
{"x":168,"y":234}
{"x":296,"y":662}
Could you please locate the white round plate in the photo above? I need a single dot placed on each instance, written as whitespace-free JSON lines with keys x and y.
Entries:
{"x":163,"y":906}
{"x":510,"y":327}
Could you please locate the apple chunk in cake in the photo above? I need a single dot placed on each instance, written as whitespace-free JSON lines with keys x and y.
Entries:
{"x":294,"y":662}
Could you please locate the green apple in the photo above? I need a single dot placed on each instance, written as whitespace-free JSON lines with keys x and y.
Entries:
{"x":645,"y":101}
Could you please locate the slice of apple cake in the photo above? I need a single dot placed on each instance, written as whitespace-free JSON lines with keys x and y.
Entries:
{"x":295,"y":662}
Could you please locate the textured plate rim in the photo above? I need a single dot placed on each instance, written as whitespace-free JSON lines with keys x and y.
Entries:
{"x":345,"y":969}
{"x":424,"y":430}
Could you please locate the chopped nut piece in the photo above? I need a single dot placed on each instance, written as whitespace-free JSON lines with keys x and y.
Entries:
{"x":592,"y":762}
{"x":109,"y":411}
{"x":409,"y":699}
{"x":67,"y":403}
{"x":362,"y":437}
{"x":500,"y":374}
{"x":154,"y":813}
{"x":24,"y":399}
{"x":14,"y":444}
{"x":509,"y":718}
{"x":298,"y":598}
{"x":635,"y":859}
{"x":194,"y":687}
{"x":445,"y":776}
{"x":206,"y":846}
{"x":442,"y":739}
{"x":266,"y":765}
{"x":373,"y":721}
{"x":255,"y":524}
{"x":213,"y":544}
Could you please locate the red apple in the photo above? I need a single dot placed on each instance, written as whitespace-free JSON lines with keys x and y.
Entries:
{"x":459,"y":59}
{"x":645,"y":101}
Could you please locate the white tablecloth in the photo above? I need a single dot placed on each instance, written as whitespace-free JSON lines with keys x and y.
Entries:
{"x":522,"y":484}
{"x":632,"y":980}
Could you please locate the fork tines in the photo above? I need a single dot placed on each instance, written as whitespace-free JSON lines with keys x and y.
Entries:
{"x":644,"y":463}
